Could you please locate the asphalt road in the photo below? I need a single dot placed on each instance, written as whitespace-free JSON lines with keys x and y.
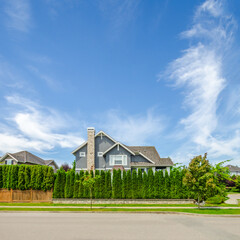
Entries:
{"x":120,"y":226}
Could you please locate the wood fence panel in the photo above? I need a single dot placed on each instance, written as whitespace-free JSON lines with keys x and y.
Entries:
{"x":25,"y":196}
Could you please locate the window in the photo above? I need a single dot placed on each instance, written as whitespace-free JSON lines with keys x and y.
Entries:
{"x":118,"y":160}
{"x":8,"y":162}
{"x":100,"y":154}
{"x":82,"y":154}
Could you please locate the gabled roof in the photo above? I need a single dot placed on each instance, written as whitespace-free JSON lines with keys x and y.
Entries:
{"x":233,"y":168}
{"x":151,"y":154}
{"x":27,"y":157}
{"x":118,"y":143}
{"x":98,"y":134}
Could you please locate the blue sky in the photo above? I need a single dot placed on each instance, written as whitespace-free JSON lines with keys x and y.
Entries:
{"x":162,"y":73}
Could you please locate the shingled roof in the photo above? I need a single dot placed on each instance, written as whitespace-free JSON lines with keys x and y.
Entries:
{"x":151,"y":153}
{"x":233,"y":168}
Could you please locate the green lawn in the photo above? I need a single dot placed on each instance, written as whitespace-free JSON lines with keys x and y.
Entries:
{"x":197,"y":211}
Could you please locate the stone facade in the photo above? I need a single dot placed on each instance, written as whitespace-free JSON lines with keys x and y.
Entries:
{"x":91,"y":149}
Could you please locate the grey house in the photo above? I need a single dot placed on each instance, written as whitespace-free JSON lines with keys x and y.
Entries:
{"x":25,"y":157}
{"x":102,"y":152}
{"x":234,"y":170}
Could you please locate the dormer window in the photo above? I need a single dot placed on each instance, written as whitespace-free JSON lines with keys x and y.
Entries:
{"x":82,"y":154}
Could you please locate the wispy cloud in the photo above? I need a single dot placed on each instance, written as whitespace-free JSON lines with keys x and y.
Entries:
{"x":33,"y":127}
{"x":18,"y":15}
{"x":133,"y":129}
{"x":199,"y":71}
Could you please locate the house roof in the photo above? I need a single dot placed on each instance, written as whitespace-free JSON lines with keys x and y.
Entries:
{"x":151,"y":153}
{"x":233,"y":168}
{"x":27,"y":157}
{"x":123,"y":146}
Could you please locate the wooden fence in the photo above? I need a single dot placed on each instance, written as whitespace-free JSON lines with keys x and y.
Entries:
{"x":28,"y":196}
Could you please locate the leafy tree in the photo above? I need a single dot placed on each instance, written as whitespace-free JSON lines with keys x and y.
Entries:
{"x":200,"y":178}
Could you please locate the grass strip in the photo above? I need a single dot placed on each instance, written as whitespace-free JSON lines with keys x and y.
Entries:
{"x":197,"y":211}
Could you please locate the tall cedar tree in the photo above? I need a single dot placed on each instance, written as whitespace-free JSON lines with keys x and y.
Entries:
{"x":72,"y":181}
{"x":81,"y":187}
{"x":114,"y":184}
{"x":9,"y":173}
{"x":134,"y":184}
{"x":27,"y":176}
{"x":4,"y":176}
{"x":124,"y":184}
{"x":67,"y":185}
{"x":33,"y":176}
{"x":150,"y":183}
{"x":97,"y":184}
{"x":44,"y":170}
{"x":86,"y":192}
{"x":178,"y":185}
{"x":172,"y":183}
{"x":108,"y":185}
{"x":39,"y":177}
{"x":63,"y":182}
{"x":156,"y":184}
{"x":140,"y":184}
{"x":102,"y":184}
{"x":161,"y":184}
{"x":21,"y":178}
{"x":57,"y":185}
{"x":49,"y":179}
{"x":145,"y":185}
{"x":129,"y":185}
{"x":167,"y":185}
{"x":76,"y":186}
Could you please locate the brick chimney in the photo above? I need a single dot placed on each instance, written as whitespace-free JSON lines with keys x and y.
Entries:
{"x":91,"y":149}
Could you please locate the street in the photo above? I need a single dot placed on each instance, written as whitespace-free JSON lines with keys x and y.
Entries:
{"x":104,"y":226}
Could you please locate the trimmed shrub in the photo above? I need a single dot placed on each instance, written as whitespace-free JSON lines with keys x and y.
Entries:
{"x":150,"y":183}
{"x":215,"y":200}
{"x":97,"y":188}
{"x":134,"y":184}
{"x":129,"y":185}
{"x":140,"y":184}
{"x":108,"y":185}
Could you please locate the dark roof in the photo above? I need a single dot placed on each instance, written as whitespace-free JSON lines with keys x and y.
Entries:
{"x":233,"y":168}
{"x":27,"y":157}
{"x":151,"y":153}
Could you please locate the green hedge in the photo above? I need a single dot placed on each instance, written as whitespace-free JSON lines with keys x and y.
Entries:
{"x":25,"y":177}
{"x":122,"y":185}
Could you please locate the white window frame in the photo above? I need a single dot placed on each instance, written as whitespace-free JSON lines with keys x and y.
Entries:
{"x":82,"y":154}
{"x":112,"y":160}
{"x":100,"y":154}
{"x":9,"y":162}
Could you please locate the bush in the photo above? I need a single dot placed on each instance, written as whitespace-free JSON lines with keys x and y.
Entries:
{"x":215,"y":200}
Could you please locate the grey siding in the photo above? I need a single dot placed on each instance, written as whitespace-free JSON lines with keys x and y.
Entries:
{"x":115,"y":151}
{"x":101,"y":145}
{"x":139,"y":158}
{"x":81,"y":162}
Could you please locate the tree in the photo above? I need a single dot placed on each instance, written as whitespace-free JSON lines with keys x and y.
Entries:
{"x":67,"y":185}
{"x":97,"y":187}
{"x":108,"y":185}
{"x":150,"y":183}
{"x":161,"y":184}
{"x":145,"y":185}
{"x":81,"y":187}
{"x":76,"y":186}
{"x":124,"y":185}
{"x":140,"y":183}
{"x":156,"y":184}
{"x":102,"y":184}
{"x":66,"y":167}
{"x":57,"y":186}
{"x":134,"y":184}
{"x":39,"y":177}
{"x":9,"y":173}
{"x":27,"y":176}
{"x":167,"y":185}
{"x":33,"y":177}
{"x":88,"y":182}
{"x":21,"y":177}
{"x":129,"y":185}
{"x":1,"y":176}
{"x":49,"y":179}
{"x":200,"y":178}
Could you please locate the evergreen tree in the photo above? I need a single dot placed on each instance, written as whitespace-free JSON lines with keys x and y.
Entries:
{"x":161,"y":185}
{"x":63,"y":182}
{"x":1,"y":176}
{"x":21,"y":178}
{"x":57,"y":186}
{"x":129,"y":185}
{"x":97,"y":185}
{"x":72,"y":181}
{"x":49,"y":179}
{"x":9,"y":173}
{"x":76,"y":186}
{"x":114,"y":184}
{"x":124,"y":184}
{"x":156,"y":185}
{"x":81,"y":187}
{"x":145,"y":185}
{"x":4,"y":176}
{"x":27,"y":176}
{"x":86,"y":193}
{"x":178,"y":184}
{"x":167,"y":185}
{"x":140,"y":183}
{"x":68,"y":185}
{"x":172,"y":184}
{"x":108,"y":185}
{"x":33,"y":177}
{"x":39,"y":178}
{"x":134,"y":184}
{"x":102,"y":184}
{"x":44,"y":177}
{"x":150,"y":183}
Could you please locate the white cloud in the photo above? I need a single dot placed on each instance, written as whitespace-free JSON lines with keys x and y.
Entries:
{"x":18,"y":15}
{"x":199,"y":71}
{"x":133,"y":129}
{"x":33,"y":127}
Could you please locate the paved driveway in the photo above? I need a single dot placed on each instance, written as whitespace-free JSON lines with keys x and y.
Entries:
{"x":233,"y":198}
{"x":120,"y":226}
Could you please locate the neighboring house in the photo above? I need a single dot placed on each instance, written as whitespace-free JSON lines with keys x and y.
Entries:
{"x":234,"y":170}
{"x":102,"y":152}
{"x":28,"y":158}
